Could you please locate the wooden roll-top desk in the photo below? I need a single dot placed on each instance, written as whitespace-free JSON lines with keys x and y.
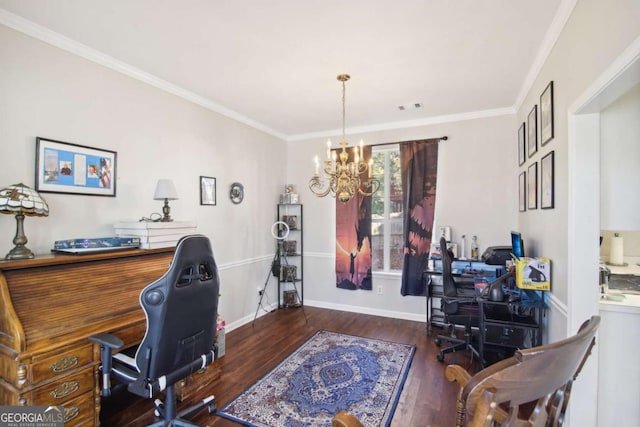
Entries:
{"x":50,"y":305}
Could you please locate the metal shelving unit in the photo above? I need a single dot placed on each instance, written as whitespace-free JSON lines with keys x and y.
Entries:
{"x":290,"y":280}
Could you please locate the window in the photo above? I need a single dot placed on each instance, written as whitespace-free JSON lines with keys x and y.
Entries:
{"x":386,"y":210}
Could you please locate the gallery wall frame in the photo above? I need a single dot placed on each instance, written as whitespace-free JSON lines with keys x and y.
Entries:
{"x":63,"y":167}
{"x":547,"y":189}
{"x":532,"y":131}
{"x":522,"y":191}
{"x":522,"y":144}
{"x":546,"y":114}
{"x":207,"y":191}
{"x":532,"y":186}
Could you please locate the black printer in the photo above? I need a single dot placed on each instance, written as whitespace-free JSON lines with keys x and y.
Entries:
{"x":496,"y":255}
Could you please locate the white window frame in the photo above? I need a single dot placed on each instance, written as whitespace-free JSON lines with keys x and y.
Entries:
{"x":387,"y":220}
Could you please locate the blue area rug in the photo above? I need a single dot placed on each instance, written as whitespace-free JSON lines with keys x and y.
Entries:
{"x":329,"y":373}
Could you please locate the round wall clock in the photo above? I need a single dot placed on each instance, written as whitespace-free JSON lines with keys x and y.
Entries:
{"x":236,"y":193}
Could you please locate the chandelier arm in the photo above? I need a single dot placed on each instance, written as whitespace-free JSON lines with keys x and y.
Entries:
{"x":316,"y":187}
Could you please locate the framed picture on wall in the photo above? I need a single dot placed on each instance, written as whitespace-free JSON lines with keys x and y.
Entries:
{"x":532,"y":187}
{"x":522,"y":191}
{"x":546,"y":182}
{"x":522,"y":146}
{"x":532,"y":134}
{"x":207,"y":191}
{"x":546,"y":114}
{"x":62,"y":167}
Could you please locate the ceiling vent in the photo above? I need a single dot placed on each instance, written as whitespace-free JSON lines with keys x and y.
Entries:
{"x":415,"y":106}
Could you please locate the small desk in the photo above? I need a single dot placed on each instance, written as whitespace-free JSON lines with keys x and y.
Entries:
{"x":473,"y":270}
{"x":507,"y":326}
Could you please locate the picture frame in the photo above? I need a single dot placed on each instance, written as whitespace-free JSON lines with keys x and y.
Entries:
{"x":546,"y":114}
{"x":67,"y":168}
{"x":547,"y":181}
{"x":522,"y":191}
{"x":522,"y":144}
{"x":532,"y":131}
{"x":532,"y":186}
{"x":207,"y":191}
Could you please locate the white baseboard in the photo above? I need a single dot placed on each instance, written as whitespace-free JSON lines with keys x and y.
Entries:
{"x":366,"y":310}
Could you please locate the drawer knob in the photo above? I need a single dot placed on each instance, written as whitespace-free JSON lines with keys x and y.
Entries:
{"x":65,"y":389}
{"x":65,"y":363}
{"x":70,"y":412}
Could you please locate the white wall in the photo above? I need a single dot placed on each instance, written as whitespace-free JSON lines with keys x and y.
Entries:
{"x":596,"y":33}
{"x":477,"y":194}
{"x":50,"y":93}
{"x":619,"y":154}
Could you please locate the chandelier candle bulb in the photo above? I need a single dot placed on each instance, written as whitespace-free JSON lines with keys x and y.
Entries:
{"x":315,"y":160}
{"x":328,"y":149}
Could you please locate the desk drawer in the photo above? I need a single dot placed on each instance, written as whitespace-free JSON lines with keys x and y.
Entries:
{"x":80,"y":411}
{"x":64,"y":389}
{"x":62,"y":363}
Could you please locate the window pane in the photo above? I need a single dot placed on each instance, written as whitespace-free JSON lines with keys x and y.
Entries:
{"x":395,"y":193}
{"x":395,"y":244}
{"x":386,"y":207}
{"x":377,"y":245}
{"x":377,"y":199}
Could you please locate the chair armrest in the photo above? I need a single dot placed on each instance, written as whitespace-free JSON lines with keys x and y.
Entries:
{"x":458,"y":374}
{"x":108,"y":343}
{"x":108,"y":340}
{"x":468,"y":385}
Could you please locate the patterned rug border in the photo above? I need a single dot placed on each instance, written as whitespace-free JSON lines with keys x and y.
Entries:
{"x":393,"y":400}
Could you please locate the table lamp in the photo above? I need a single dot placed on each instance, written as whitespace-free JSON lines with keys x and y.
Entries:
{"x":21,"y":201}
{"x":165,"y":190}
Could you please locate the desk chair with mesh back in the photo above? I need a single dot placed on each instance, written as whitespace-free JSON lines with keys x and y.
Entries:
{"x":459,"y":307}
{"x":181,"y":309}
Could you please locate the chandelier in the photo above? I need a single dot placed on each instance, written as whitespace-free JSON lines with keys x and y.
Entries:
{"x":342,"y":178}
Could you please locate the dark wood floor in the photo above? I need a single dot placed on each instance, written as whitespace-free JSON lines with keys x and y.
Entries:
{"x":251,"y":351}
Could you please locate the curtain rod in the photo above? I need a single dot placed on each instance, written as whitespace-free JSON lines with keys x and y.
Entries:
{"x":442,"y":138}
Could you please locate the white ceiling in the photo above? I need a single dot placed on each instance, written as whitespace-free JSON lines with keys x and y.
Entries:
{"x":273,"y":64}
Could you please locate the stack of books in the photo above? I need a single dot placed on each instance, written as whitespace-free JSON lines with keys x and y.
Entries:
{"x":155,"y":234}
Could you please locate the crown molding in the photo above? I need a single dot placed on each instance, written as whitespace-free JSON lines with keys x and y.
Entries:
{"x":58,"y":40}
{"x":427,"y":121}
{"x":551,"y":37}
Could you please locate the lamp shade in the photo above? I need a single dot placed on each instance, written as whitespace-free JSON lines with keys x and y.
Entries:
{"x":21,"y":199}
{"x":165,"y":190}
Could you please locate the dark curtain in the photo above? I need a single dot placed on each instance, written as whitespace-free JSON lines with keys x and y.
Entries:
{"x":353,"y":238}
{"x":419,"y":167}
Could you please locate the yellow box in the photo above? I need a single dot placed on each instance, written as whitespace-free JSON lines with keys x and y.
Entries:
{"x":533,"y":273}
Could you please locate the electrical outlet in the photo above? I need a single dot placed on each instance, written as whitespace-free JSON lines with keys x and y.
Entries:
{"x":379,"y":290}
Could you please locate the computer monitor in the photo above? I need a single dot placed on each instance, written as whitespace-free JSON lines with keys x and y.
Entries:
{"x":517,"y":244}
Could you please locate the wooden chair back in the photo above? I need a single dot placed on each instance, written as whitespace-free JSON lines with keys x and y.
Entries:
{"x":541,"y":374}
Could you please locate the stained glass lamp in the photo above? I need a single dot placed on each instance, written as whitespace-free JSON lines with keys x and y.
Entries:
{"x":21,"y":200}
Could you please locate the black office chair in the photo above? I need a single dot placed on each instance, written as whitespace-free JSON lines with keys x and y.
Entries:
{"x":459,"y":306}
{"x":181,"y":309}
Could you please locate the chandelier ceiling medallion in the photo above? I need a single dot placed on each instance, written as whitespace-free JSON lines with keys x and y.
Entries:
{"x":341,"y":177}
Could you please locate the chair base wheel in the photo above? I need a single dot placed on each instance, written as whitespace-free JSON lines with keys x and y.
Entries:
{"x":440,"y":357}
{"x":438,"y":342}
